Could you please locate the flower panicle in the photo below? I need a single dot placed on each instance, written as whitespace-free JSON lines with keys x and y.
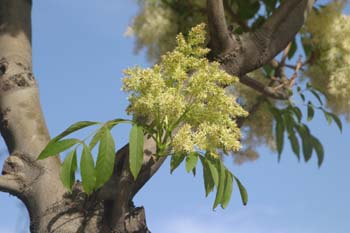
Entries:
{"x":186,"y":91}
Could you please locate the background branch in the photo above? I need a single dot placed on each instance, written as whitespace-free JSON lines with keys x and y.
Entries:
{"x":254,"y":49}
{"x":265,"y":90}
{"x":219,"y":34}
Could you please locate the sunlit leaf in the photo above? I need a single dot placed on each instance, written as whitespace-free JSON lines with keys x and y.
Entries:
{"x":96,"y":138}
{"x":136,"y":149}
{"x":76,"y":126}
{"x":191,"y":161}
{"x":110,"y":124}
{"x":176,"y":160}
{"x":221,"y":187}
{"x":105,"y":158}
{"x":214,"y":170}
{"x":228,"y":189}
{"x":243,"y":191}
{"x":87,"y":170}
{"x":68,"y":168}
{"x":207,"y":176}
{"x":56,"y":147}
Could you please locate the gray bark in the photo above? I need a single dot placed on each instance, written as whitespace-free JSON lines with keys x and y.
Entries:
{"x":23,"y":127}
{"x":239,"y":55}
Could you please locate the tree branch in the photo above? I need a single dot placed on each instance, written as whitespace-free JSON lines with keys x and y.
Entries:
{"x":276,"y":33}
{"x":220,"y":36}
{"x":265,"y":90}
{"x":148,"y":170}
{"x":254,"y":49}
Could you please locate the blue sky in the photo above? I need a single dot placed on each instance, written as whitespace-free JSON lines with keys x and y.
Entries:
{"x":79,"y":53}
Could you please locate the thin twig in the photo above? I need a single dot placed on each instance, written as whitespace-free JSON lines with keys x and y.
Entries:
{"x":295,"y":74}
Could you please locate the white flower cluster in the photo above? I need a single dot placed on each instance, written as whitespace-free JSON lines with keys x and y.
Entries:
{"x":185,"y":93}
{"x":154,"y":28}
{"x":157,"y":24}
{"x":329,"y":32}
{"x":257,"y":129}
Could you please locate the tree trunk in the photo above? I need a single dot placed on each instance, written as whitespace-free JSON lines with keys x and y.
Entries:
{"x":37,"y":183}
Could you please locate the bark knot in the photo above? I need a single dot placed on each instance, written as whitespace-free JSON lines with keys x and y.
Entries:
{"x":3,"y":66}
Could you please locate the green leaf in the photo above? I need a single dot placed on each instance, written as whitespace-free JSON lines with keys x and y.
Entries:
{"x":55,"y":147}
{"x":307,"y":149}
{"x":109,"y":124}
{"x":319,"y":150}
{"x":277,"y":114}
{"x":302,"y":96}
{"x":243,"y":191}
{"x":76,"y":126}
{"x":221,"y":187}
{"x":310,"y":111}
{"x":105,"y":158}
{"x":321,"y":91}
{"x":87,"y":170}
{"x":96,"y":138}
{"x":248,"y":9}
{"x":269,"y":71}
{"x":207,"y":177}
{"x":293,"y":49}
{"x":117,"y":121}
{"x":136,"y":149}
{"x":290,"y":123}
{"x":176,"y":160}
{"x":194,"y":171}
{"x":337,"y":120}
{"x":294,"y":143}
{"x":328,"y":117}
{"x":307,"y":47}
{"x":306,"y":143}
{"x":214,"y":170}
{"x":191,"y":161}
{"x":228,"y":189}
{"x":297,"y":113}
{"x":67,"y":170}
{"x":317,"y":96}
{"x":279,"y":136}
